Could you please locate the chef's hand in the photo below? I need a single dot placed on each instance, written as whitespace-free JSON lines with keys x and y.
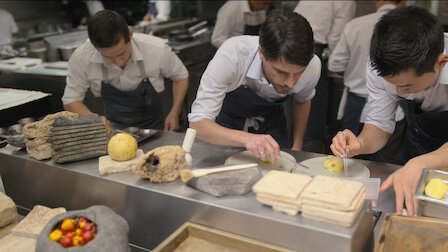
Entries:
{"x":258,"y":144}
{"x":172,"y":122}
{"x":106,"y":124}
{"x":352,"y":146}
{"x":405,"y":181}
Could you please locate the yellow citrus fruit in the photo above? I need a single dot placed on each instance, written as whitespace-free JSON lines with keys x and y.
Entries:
{"x":436,"y":188}
{"x":334,"y":164}
{"x":122,"y":147}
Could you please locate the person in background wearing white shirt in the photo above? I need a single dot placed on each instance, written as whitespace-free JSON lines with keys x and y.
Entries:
{"x":327,"y":18}
{"x":158,"y":10}
{"x":8,"y":27}
{"x":237,"y":18}
{"x":350,"y":56}
{"x":408,"y":68}
{"x":94,"y":6}
{"x":127,"y":70}
{"x":239,"y":100}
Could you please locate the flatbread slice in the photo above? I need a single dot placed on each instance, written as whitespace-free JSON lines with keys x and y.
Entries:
{"x":268,"y":197}
{"x":359,"y":198}
{"x":282,"y":184}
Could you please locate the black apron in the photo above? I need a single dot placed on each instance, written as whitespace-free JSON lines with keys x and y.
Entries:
{"x":426,"y":131}
{"x":244,"y":103}
{"x":251,"y":29}
{"x":140,"y":107}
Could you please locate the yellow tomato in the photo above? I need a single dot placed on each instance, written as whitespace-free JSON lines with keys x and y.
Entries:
{"x":56,"y":235}
{"x":68,"y":224}
{"x":77,"y":241}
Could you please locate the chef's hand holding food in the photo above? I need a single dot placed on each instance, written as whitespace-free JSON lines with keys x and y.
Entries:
{"x":351,"y":145}
{"x":264,"y":147}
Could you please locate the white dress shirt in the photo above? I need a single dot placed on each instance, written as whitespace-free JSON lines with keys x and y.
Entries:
{"x":327,"y":18}
{"x":383,"y":98}
{"x":85,"y":68}
{"x":7,"y":27}
{"x":237,"y":62}
{"x":232,"y":17}
{"x":352,"y":53}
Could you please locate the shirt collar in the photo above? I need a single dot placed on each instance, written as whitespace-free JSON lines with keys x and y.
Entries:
{"x":255,"y":70}
{"x":386,"y":8}
{"x":136,"y":55}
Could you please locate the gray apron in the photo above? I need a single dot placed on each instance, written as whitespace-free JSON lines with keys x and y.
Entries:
{"x":140,"y":107}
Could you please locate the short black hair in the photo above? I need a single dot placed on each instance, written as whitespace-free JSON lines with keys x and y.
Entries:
{"x":106,"y":28}
{"x":286,"y":34}
{"x":406,"y":38}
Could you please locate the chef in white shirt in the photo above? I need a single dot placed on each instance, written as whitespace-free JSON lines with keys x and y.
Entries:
{"x":237,"y":18}
{"x":327,"y":18}
{"x":239,"y":100}
{"x":158,"y":10}
{"x":350,"y":56}
{"x":127,"y":70}
{"x":8,"y":27}
{"x":407,"y":67}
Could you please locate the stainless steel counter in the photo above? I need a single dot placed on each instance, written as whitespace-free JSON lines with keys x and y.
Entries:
{"x":153,"y":211}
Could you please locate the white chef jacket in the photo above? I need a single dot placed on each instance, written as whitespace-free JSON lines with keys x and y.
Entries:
{"x":237,"y":62}
{"x":84,"y":68}
{"x":232,"y":17}
{"x":352,"y":53}
{"x":383,"y":98}
{"x":327,"y":18}
{"x":94,"y":6}
{"x":163,"y":9}
{"x":7,"y":27}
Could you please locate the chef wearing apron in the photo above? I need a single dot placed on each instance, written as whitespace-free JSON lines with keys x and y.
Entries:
{"x":237,"y":18}
{"x":239,"y":100}
{"x":410,"y":73}
{"x":127,"y":70}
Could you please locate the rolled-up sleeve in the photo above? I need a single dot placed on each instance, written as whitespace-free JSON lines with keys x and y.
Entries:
{"x":219,"y":78}
{"x":171,"y":66}
{"x":381,"y":105}
{"x":76,"y":81}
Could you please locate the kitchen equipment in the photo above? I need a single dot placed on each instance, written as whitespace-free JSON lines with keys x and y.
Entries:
{"x":40,"y":53}
{"x":186,"y":174}
{"x":67,"y":50}
{"x":138,"y":133}
{"x":412,"y":233}
{"x":190,"y":30}
{"x":194,"y":237}
{"x":189,"y":36}
{"x":248,"y":157}
{"x":431,"y":207}
{"x":19,"y":63}
{"x":316,"y":165}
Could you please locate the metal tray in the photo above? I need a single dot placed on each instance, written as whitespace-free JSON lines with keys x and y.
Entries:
{"x":429,"y":206}
{"x":138,"y":133}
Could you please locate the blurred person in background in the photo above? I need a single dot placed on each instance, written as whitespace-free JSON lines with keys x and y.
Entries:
{"x":8,"y":27}
{"x":239,"y":18}
{"x":158,"y":10}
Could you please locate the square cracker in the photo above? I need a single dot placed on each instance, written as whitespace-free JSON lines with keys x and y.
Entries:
{"x":275,"y":203}
{"x":360,"y":197}
{"x":282,"y":184}
{"x":334,"y":191}
{"x":286,"y":210}
{"x":345,"y":219}
{"x":296,"y":202}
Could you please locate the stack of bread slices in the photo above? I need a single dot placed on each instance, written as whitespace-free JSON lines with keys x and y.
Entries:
{"x":333,"y":200}
{"x":281,"y":190}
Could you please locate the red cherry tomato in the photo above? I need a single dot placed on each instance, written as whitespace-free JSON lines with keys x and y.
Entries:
{"x":87,"y":227}
{"x":87,"y":236}
{"x":66,"y":242}
{"x":70,"y":235}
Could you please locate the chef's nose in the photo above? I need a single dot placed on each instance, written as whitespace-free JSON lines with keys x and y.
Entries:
{"x":290,"y":81}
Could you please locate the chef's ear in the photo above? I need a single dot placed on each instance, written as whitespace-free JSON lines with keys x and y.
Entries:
{"x":131,"y":32}
{"x":260,"y":51}
{"x":442,"y":60}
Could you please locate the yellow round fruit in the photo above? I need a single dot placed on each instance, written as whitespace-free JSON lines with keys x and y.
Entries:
{"x":122,"y":147}
{"x":334,"y":164}
{"x":436,"y":188}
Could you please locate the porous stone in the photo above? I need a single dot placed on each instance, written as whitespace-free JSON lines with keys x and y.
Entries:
{"x":162,"y":164}
{"x":236,"y":182}
{"x":36,"y":135}
{"x":8,"y":210}
{"x":112,"y":232}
